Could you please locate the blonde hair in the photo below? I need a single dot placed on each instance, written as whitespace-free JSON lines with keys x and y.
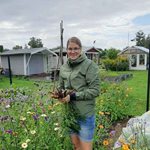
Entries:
{"x":74,"y":40}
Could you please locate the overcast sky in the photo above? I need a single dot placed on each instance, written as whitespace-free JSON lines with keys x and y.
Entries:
{"x":112,"y":23}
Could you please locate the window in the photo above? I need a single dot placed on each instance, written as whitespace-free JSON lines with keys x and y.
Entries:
{"x":133,"y":60}
{"x":142,"y":59}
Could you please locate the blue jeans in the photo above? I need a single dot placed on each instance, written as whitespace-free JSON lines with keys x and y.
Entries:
{"x":87,"y":126}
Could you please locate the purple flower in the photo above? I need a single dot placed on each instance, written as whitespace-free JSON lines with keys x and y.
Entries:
{"x":112,"y":133}
{"x":36,"y":117}
{"x":9,"y":131}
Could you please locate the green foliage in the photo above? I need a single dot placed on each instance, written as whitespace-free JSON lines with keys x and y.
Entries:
{"x":17,"y":47}
{"x":1,"y":48}
{"x":142,"y":39}
{"x":112,"y":53}
{"x":118,"y":64}
{"x":117,"y":100}
{"x":35,"y":43}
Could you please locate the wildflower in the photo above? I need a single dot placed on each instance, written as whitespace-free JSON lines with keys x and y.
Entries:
{"x":53,"y":112}
{"x":22,"y":118}
{"x":122,"y":141}
{"x":112,"y":133}
{"x":35,"y":117}
{"x":125,"y":147}
{"x":50,"y":107}
{"x":31,"y":113}
{"x":15,"y":133}
{"x":43,"y":115}
{"x":56,"y":124}
{"x":28,"y":140}
{"x":7,"y":106}
{"x":24,"y":145}
{"x":55,"y":129}
{"x":101,"y":126}
{"x":133,"y":141}
{"x":107,"y":113}
{"x":101,"y":113}
{"x":33,"y":132}
{"x":9,"y":131}
{"x":105,"y":142}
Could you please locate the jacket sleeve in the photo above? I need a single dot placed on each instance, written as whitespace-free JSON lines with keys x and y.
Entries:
{"x":60,"y":82}
{"x":93,"y":82}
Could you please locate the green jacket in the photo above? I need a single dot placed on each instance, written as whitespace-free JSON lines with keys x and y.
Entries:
{"x":82,"y":76}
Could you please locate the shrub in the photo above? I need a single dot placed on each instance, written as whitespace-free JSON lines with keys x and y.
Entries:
{"x":118,"y":64}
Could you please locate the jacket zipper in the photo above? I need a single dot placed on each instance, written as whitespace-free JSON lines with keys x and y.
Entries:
{"x":70,"y":78}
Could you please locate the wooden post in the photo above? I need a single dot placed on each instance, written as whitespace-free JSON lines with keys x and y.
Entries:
{"x":9,"y":66}
{"x":61,"y":39}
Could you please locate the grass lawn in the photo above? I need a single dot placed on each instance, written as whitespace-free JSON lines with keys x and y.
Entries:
{"x":17,"y":81}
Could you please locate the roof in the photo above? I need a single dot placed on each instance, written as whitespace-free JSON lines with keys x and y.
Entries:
{"x":135,"y":47}
{"x":84,"y":48}
{"x":27,"y":51}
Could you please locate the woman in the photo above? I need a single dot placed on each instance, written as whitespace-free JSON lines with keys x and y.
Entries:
{"x":81,"y":76}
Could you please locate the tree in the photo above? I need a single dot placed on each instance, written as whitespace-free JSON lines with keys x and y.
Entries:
{"x":140,"y":38}
{"x":35,"y":43}
{"x":17,"y":47}
{"x":147,"y":41}
{"x":112,"y":53}
{"x":1,"y":48}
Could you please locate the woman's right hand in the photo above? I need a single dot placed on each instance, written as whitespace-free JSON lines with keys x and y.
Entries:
{"x":55,"y":95}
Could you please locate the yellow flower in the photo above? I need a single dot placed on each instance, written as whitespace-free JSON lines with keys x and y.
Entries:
{"x":101,"y":113}
{"x":22,"y":118}
{"x":107,"y":113}
{"x":105,"y":142}
{"x":133,"y":141}
{"x":101,"y":126}
{"x":121,"y":140}
{"x":15,"y":133}
{"x":50,"y":107}
{"x":24,"y":145}
{"x":125,"y":147}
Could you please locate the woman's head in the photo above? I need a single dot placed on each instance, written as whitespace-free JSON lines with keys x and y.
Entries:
{"x":74,"y":47}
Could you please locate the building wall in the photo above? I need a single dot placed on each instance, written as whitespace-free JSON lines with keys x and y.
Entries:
{"x":16,"y":62}
{"x":36,"y":64}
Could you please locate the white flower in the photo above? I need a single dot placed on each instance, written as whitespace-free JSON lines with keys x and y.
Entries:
{"x":56,"y":124}
{"x":22,"y":118}
{"x":32,"y":131}
{"x":7,"y":106}
{"x":43,"y":115}
{"x":24,"y":145}
{"x":28,"y":140}
{"x":52,"y":112}
{"x":56,"y":128}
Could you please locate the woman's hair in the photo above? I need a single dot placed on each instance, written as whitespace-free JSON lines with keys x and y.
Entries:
{"x":74,"y":40}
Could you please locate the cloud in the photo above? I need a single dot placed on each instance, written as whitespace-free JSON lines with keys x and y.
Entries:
{"x":106,"y":21}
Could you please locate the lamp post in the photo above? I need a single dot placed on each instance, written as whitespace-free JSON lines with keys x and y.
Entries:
{"x":148,"y":81}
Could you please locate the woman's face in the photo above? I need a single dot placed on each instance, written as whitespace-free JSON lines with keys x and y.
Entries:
{"x":73,"y":51}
